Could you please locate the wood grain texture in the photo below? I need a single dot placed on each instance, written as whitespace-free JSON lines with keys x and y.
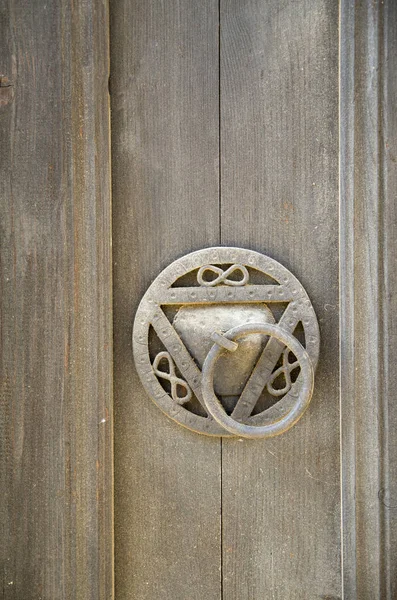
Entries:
{"x":56,"y":329}
{"x":279,"y":165}
{"x":164,"y":96}
{"x":368,"y":284}
{"x":388,"y":145}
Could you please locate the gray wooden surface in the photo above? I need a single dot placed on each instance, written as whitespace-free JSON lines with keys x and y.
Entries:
{"x":368,"y":130}
{"x":279,"y":148}
{"x":164,"y":89}
{"x":278,"y":123}
{"x":56,"y":379}
{"x":226,"y":130}
{"x":387,"y":494}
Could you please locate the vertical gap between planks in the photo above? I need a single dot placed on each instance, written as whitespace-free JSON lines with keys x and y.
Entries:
{"x":383,"y":376}
{"x":221,"y":520}
{"x":112,"y":465}
{"x":346,"y":285}
{"x":219,"y":125}
{"x":220,"y":243}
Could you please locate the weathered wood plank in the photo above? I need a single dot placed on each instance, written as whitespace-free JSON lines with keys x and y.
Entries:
{"x":388,"y":147}
{"x":279,"y":148}
{"x":56,"y":330}
{"x":368,"y":129}
{"x":164,"y":90}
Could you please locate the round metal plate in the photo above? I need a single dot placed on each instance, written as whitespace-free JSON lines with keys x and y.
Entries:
{"x":170,"y":370}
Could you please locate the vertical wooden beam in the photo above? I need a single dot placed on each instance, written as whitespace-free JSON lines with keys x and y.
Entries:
{"x":279,"y":142}
{"x":165,"y":153}
{"x":56,"y":328}
{"x":388,"y":143}
{"x":367,"y":296}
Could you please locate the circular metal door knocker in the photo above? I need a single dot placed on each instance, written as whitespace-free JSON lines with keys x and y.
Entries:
{"x":226,"y":342}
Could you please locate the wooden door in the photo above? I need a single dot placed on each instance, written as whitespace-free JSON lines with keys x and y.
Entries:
{"x":262,"y":124}
{"x":240,"y":124}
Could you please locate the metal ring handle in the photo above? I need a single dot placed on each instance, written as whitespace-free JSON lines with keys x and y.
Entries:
{"x":276,"y":427}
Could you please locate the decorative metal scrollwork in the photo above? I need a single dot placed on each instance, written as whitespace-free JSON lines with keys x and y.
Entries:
{"x":215,"y":354}
{"x":222,"y":276}
{"x":170,"y":376}
{"x":285,"y":370}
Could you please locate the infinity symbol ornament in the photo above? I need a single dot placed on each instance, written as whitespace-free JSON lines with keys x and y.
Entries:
{"x":285,"y":370}
{"x":222,"y":276}
{"x":170,"y":376}
{"x":227,"y":384}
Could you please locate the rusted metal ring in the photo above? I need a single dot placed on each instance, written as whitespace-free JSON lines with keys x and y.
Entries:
{"x":305,"y":382}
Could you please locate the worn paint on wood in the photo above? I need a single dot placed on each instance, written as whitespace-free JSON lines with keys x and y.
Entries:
{"x":56,"y":330}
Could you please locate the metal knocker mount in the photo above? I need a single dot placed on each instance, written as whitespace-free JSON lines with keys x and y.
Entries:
{"x":226,"y":342}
